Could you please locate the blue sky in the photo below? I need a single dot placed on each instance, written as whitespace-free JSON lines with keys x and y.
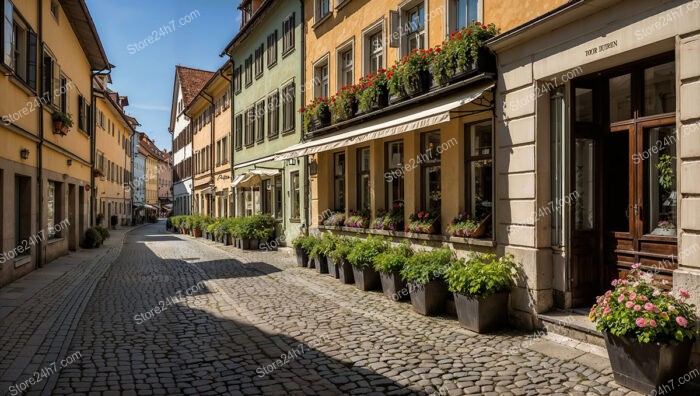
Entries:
{"x":145,"y":73}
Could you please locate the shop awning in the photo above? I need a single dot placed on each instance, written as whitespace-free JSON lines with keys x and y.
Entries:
{"x":208,"y":191}
{"x":253,"y":177}
{"x":254,"y":162}
{"x":414,"y":118}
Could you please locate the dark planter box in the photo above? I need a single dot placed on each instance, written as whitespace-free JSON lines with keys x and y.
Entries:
{"x":428,"y":299}
{"x":393,"y":287}
{"x":302,"y":257}
{"x":366,"y":278}
{"x":197,"y":233}
{"x":647,"y":367}
{"x":482,"y":314}
{"x":228,"y":240}
{"x":245,"y":243}
{"x":420,"y":84}
{"x":333,"y":269}
{"x":321,"y":264}
{"x":345,"y":273}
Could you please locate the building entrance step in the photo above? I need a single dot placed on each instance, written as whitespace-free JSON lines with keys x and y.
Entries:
{"x":572,"y":324}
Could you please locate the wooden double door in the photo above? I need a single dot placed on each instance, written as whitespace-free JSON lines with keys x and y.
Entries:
{"x":623,"y":176}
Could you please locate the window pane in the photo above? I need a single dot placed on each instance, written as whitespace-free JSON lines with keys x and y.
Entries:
{"x":431,"y":142}
{"x":481,"y":140}
{"x":481,"y":188}
{"x":585,"y":156}
{"x":339,"y":164}
{"x":584,"y":105}
{"x":363,"y":159}
{"x":660,"y":89}
{"x":660,"y":181}
{"x":364,"y":192}
{"x":556,"y":126}
{"x":339,"y":188}
{"x":395,"y":154}
{"x":432,"y":193}
{"x":621,"y":98}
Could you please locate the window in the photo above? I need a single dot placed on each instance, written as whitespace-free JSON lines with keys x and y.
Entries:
{"x":273,"y":115}
{"x":363,"y":186}
{"x":259,"y":60}
{"x":64,"y":96}
{"x":246,"y":11}
{"x":321,"y":88}
{"x":288,"y":112}
{"x":345,"y":69}
{"x":394,"y":173}
{"x":296,"y":196}
{"x":374,"y":52}
{"x":461,"y":13}
{"x":260,"y":121}
{"x":82,"y":114}
{"x":480,"y":171}
{"x":288,"y":26}
{"x":23,"y":194}
{"x":339,"y":181}
{"x":266,"y":186}
{"x":272,"y":49}
{"x":415,"y":28}
{"x":250,"y":126}
{"x":239,"y":131}
{"x":54,"y":9}
{"x":323,"y":8}
{"x":237,"y":77}
{"x":431,"y":189}
{"x":54,"y":205}
{"x":278,"y":197}
{"x":47,"y":73}
{"x":557,"y":109}
{"x":248,"y":70}
{"x":7,"y":32}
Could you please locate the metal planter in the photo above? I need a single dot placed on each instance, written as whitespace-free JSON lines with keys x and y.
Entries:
{"x":482,"y":314}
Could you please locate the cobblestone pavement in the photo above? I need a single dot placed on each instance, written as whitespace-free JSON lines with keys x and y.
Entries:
{"x":173,"y":315}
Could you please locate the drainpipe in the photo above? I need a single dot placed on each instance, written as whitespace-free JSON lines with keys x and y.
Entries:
{"x":40,"y":145}
{"x":307,"y":174}
{"x":230,"y":133}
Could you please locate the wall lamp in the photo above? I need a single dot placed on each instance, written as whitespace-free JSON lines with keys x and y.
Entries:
{"x":24,"y":153}
{"x":69,"y":162}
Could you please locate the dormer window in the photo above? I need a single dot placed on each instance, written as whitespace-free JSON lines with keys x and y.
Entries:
{"x":246,"y":12}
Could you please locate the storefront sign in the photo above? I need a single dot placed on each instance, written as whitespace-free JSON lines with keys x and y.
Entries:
{"x":223,"y":177}
{"x":601,"y":48}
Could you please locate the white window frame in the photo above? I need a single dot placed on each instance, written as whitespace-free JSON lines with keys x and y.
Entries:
{"x":317,"y":10}
{"x":325,"y":61}
{"x":378,"y":27}
{"x":347,"y":47}
{"x":404,"y":8}
{"x":450,"y":21}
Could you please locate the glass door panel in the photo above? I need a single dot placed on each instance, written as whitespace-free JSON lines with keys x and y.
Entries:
{"x":660,"y":193}
{"x":584,"y":184}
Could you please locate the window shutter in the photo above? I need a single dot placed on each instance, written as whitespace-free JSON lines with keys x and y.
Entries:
{"x":394,"y":32}
{"x":31,"y":59}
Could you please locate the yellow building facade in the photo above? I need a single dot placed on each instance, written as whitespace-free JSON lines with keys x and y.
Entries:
{"x":45,"y":168}
{"x":114,"y":131}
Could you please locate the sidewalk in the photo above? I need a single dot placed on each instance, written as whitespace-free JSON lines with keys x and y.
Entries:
{"x":32,"y":338}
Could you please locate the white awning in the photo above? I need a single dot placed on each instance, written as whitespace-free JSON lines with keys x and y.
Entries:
{"x":253,"y":177}
{"x":411,"y":119}
{"x":254,"y":162}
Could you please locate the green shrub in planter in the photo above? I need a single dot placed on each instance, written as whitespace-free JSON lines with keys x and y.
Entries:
{"x":423,"y":272}
{"x":93,"y":238}
{"x":339,"y":256}
{"x":480,"y":286}
{"x":389,"y":264}
{"x":304,"y":245}
{"x":104,"y":232}
{"x":362,"y":259}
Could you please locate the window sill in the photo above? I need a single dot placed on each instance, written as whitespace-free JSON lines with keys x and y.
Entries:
{"x":22,"y":260}
{"x":54,"y":241}
{"x":271,"y":65}
{"x":341,"y":4}
{"x":322,"y":20}
{"x":287,"y":52}
{"x":21,"y":84}
{"x":259,"y":75}
{"x":411,"y":235}
{"x":295,"y":220}
{"x":273,"y":137}
{"x":288,"y":132}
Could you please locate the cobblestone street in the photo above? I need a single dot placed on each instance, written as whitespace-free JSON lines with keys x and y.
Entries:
{"x":141,"y":333}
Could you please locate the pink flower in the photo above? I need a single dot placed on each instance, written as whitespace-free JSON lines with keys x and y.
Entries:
{"x":633,"y":295}
{"x":607,"y":293}
{"x":636,"y":265}
{"x":643,"y":298}
{"x":606,"y":311}
{"x":641,"y":322}
{"x":614,"y":282}
{"x":671,"y":308}
{"x":629,"y":304}
{"x":684,"y":293}
{"x":637,"y":307}
{"x":621,"y":298}
{"x":649,"y":306}
{"x":624,"y":281}
{"x":681,"y":321}
{"x":664,"y":282}
{"x":652,"y":323}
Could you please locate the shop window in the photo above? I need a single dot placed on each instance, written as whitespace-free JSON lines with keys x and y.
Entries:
{"x":54,"y":209}
{"x":278,"y":197}
{"x":557,"y":111}
{"x":296,"y":196}
{"x":363,"y":178}
{"x":660,"y":89}
{"x":620,"y":88}
{"x":22,"y":211}
{"x":660,"y":184}
{"x":431,"y":189}
{"x":584,"y":104}
{"x":339,"y":181}
{"x":480,"y":170}
{"x":394,"y":174}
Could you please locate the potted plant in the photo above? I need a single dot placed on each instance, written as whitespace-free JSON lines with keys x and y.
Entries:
{"x":301,"y":246}
{"x":319,"y":259}
{"x":648,"y":330}
{"x":362,"y":259}
{"x":317,"y":114}
{"x":337,"y":219}
{"x":325,"y":246}
{"x":339,"y":257}
{"x":343,"y":105}
{"x":481,"y":286}
{"x":463,"y":52}
{"x":62,"y":122}
{"x":373,"y":92}
{"x":464,"y":226}
{"x":391,"y":220}
{"x":389,"y":265}
{"x":424,"y":222}
{"x":423,"y":272}
{"x":410,"y":76}
{"x":358,"y":219}
{"x":197,"y":224}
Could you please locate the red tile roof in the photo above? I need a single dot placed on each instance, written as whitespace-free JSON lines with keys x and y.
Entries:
{"x":192,"y":81}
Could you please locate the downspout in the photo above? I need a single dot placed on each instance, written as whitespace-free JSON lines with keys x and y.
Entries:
{"x":40,"y":143}
{"x":307,"y":174}
{"x":212,"y":154}
{"x":93,"y":144}
{"x":232,"y":205}
{"x":230,"y":133}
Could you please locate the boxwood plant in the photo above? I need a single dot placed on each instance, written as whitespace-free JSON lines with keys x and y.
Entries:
{"x":364,"y":252}
{"x":481,"y":275}
{"x":424,"y":267}
{"x":305,"y":242}
{"x":343,"y":247}
{"x":394,"y":259}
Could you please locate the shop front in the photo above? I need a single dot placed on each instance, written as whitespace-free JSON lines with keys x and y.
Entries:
{"x":603,"y":95}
